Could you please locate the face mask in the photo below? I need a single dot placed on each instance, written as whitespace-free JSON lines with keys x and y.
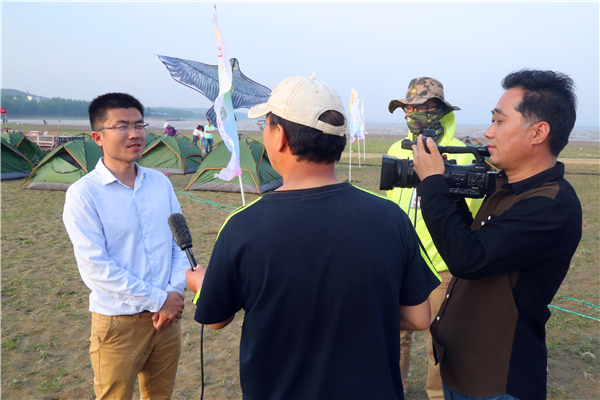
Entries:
{"x":417,"y":121}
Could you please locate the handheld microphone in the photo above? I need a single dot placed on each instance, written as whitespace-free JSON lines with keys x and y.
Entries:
{"x":182,"y":236}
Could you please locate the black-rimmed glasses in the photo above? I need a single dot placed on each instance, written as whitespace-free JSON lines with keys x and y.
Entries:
{"x":422,"y":108}
{"x":139,"y":128}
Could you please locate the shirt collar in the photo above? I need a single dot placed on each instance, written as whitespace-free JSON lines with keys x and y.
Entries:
{"x":551,"y":174}
{"x":107,"y":177}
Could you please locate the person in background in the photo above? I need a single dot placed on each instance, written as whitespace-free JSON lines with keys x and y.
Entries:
{"x":116,"y":217}
{"x":323,"y":306}
{"x":202,"y":138}
{"x":208,"y":137}
{"x":510,"y":260}
{"x":426,"y":108}
{"x":199,"y":131}
{"x":169,"y":130}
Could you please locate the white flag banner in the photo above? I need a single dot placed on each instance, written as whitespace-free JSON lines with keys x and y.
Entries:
{"x":362,"y":131}
{"x":224,"y":108}
{"x":354,"y":115}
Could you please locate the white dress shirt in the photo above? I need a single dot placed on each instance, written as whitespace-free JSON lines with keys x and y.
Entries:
{"x":124,"y":248}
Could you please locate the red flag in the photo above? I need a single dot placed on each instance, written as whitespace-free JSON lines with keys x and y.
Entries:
{"x":2,"y":110}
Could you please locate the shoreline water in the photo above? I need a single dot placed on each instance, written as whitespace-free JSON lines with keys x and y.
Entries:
{"x":579,"y":134}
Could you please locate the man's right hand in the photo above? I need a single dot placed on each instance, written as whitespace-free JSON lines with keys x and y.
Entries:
{"x":170,"y":312}
{"x":173,"y":306}
{"x":195,"y":278}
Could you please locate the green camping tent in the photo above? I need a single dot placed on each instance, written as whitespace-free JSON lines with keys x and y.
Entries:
{"x":65,"y":165}
{"x":258,"y":176}
{"x":14,"y":164}
{"x":172,"y":154}
{"x":150,"y":137}
{"x":25,"y":146}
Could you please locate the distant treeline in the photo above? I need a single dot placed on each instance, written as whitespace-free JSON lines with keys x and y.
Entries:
{"x":54,"y":107}
{"x":18,"y":106}
{"x":171,"y":112}
{"x":58,"y":107}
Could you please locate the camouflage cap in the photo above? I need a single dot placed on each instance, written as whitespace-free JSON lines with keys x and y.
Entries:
{"x":419,"y":91}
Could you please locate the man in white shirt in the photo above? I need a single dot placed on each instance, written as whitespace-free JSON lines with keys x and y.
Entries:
{"x":116,"y":217}
{"x":208,"y":137}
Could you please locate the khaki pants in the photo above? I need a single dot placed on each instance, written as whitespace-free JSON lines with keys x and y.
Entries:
{"x":126,"y":346}
{"x":434,"y":380}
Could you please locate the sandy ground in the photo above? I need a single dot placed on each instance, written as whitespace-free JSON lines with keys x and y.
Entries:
{"x":46,"y":323}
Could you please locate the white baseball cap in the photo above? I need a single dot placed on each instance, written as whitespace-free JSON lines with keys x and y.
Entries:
{"x":166,"y":124}
{"x":303,"y":101}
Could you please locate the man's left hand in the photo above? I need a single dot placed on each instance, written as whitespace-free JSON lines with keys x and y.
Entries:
{"x":171,"y":311}
{"x":427,"y":164}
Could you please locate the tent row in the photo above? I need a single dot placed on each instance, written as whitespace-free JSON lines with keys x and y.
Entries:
{"x":258,"y":176}
{"x":19,"y":156}
{"x":173,"y":155}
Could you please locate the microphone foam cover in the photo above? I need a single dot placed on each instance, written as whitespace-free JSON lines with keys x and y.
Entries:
{"x":180,"y":230}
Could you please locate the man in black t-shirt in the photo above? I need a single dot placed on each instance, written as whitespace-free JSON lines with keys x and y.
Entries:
{"x":327,"y":273}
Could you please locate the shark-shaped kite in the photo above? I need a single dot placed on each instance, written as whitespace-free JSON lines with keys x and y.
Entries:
{"x":204,"y":78}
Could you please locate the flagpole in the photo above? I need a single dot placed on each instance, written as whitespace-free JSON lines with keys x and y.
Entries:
{"x":363,"y":130}
{"x":352,"y":132}
{"x":241,"y":185}
{"x":365,"y":148}
{"x":358,"y":144}
{"x":350,"y":164}
{"x":242,"y":190}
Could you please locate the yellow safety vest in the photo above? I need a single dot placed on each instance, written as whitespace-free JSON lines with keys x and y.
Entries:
{"x":407,"y":199}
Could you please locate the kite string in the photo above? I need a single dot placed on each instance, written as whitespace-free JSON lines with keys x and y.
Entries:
{"x":581,"y":301}
{"x":190,"y":196}
{"x":573,"y":312}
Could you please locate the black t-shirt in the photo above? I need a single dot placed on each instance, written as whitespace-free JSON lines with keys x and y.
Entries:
{"x":320,"y":274}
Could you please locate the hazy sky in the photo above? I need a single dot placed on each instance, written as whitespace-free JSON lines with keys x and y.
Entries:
{"x":79,"y":50}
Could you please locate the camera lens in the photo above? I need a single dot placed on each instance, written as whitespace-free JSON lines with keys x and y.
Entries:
{"x":397,"y":173}
{"x":388,"y":172}
{"x":408,"y":177}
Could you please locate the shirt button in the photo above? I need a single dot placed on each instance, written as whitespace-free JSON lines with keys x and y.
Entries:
{"x":447,"y":295}
{"x":482,"y":223}
{"x":490,"y":217}
{"x":438,"y":318}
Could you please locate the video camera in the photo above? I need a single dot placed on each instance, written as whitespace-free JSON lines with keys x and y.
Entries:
{"x":472,"y":180}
